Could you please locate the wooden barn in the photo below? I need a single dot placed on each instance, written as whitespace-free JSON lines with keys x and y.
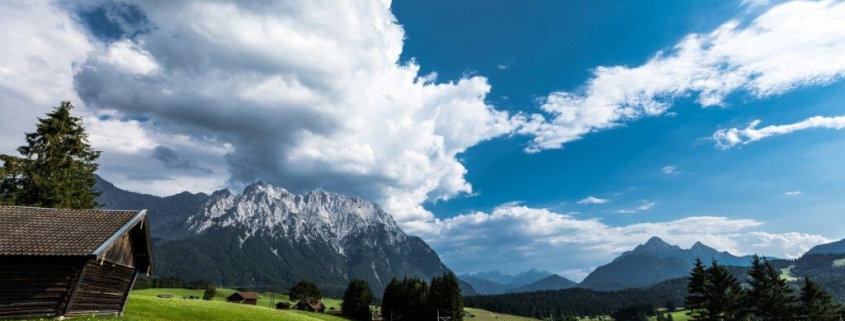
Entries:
{"x":283,"y":306}
{"x":65,"y":262}
{"x":311,"y":305}
{"x":243,"y":298}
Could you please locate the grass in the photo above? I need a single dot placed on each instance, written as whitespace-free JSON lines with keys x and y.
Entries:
{"x":786,"y":274}
{"x":839,"y":263}
{"x":680,"y":315}
{"x":484,"y":315}
{"x":264,"y":299}
{"x":144,"y":305}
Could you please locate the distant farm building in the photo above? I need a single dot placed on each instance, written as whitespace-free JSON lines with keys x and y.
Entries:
{"x":243,"y":298}
{"x":311,"y":305}
{"x":283,"y":306}
{"x":65,"y":262}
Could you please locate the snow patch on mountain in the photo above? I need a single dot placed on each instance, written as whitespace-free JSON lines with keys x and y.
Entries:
{"x":264,"y":209}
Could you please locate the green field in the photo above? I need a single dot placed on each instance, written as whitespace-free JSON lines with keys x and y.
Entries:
{"x":676,"y":316}
{"x":263,"y":300}
{"x":839,"y":263}
{"x":786,"y":274}
{"x":143,"y":305}
{"x":484,"y":315}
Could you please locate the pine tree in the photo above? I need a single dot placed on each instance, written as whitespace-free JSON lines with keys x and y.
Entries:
{"x":724,"y":294}
{"x":815,"y":303}
{"x":769,"y":296}
{"x":357,"y":300}
{"x":209,"y":293}
{"x":696,"y":299}
{"x":57,"y":167}
{"x":445,"y":296}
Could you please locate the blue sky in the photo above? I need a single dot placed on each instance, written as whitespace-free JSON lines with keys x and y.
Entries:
{"x":509,"y":135}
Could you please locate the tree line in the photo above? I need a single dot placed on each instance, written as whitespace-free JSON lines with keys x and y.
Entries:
{"x":715,"y":294}
{"x":568,"y":304}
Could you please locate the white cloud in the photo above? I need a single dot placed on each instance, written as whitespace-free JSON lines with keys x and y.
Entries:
{"x":40,"y":45}
{"x":792,"y":45}
{"x":645,"y":206}
{"x":593,"y":200}
{"x":670,"y":170}
{"x":516,"y":237}
{"x":792,"y":193}
{"x":727,"y":138}
{"x":306,"y":95}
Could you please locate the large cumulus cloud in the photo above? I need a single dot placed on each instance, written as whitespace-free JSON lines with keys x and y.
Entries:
{"x":308,"y":94}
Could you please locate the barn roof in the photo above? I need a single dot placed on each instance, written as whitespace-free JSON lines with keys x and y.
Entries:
{"x":246,"y":295}
{"x":66,"y":232}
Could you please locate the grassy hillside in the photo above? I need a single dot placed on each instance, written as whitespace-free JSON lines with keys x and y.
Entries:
{"x":676,"y":316}
{"x":263,"y":301}
{"x":484,"y":315}
{"x":143,"y":305}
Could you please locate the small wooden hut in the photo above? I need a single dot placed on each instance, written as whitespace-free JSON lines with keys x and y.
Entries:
{"x":283,"y":306}
{"x":65,"y":262}
{"x":243,"y":298}
{"x":311,"y":305}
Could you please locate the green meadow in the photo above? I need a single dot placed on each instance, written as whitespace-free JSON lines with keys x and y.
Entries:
{"x":144,"y":305}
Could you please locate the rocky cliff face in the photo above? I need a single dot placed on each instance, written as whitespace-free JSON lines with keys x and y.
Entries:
{"x":268,"y":237}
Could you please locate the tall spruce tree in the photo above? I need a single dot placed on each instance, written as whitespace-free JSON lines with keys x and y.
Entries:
{"x":445,"y":296}
{"x":357,"y":300}
{"x":696,"y":299}
{"x":724,"y":294}
{"x":57,"y":167}
{"x":815,"y":303}
{"x":769,"y":297}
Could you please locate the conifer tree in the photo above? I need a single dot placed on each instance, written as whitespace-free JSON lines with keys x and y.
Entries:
{"x":769,"y":296}
{"x":57,"y":167}
{"x":724,"y":294}
{"x":445,"y":296}
{"x":357,"y":300}
{"x":815,"y":303}
{"x":696,"y":299}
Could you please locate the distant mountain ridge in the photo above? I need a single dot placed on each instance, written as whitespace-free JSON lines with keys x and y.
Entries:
{"x":267,"y":237}
{"x":653,"y":262}
{"x":495,"y":282}
{"x":837,"y":247}
{"x":552,"y":282}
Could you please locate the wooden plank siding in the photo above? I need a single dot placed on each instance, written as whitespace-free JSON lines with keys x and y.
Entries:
{"x":121,"y":252}
{"x":103,"y":289}
{"x":36,"y":286}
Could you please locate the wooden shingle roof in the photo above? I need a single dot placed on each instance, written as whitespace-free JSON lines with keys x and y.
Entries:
{"x":245,"y":295}
{"x":61,"y":232}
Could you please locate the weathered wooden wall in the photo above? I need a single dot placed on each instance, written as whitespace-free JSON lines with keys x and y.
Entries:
{"x":36,"y":286}
{"x":103,"y":289}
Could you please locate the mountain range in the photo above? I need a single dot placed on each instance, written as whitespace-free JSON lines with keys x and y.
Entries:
{"x":267,"y":237}
{"x":653,"y":262}
{"x":495,"y":282}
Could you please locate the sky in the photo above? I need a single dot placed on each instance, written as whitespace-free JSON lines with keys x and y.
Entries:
{"x":508,"y":135}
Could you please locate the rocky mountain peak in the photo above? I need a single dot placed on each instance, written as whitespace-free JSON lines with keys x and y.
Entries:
{"x":272,"y":210}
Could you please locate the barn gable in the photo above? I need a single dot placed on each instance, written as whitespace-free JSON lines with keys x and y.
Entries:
{"x":56,"y":262}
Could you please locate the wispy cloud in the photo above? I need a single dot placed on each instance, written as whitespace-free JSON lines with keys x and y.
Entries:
{"x":593,"y":200}
{"x":728,"y":138}
{"x":646,"y":205}
{"x":791,"y":45}
{"x":670,"y":170}
{"x":792,"y":193}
